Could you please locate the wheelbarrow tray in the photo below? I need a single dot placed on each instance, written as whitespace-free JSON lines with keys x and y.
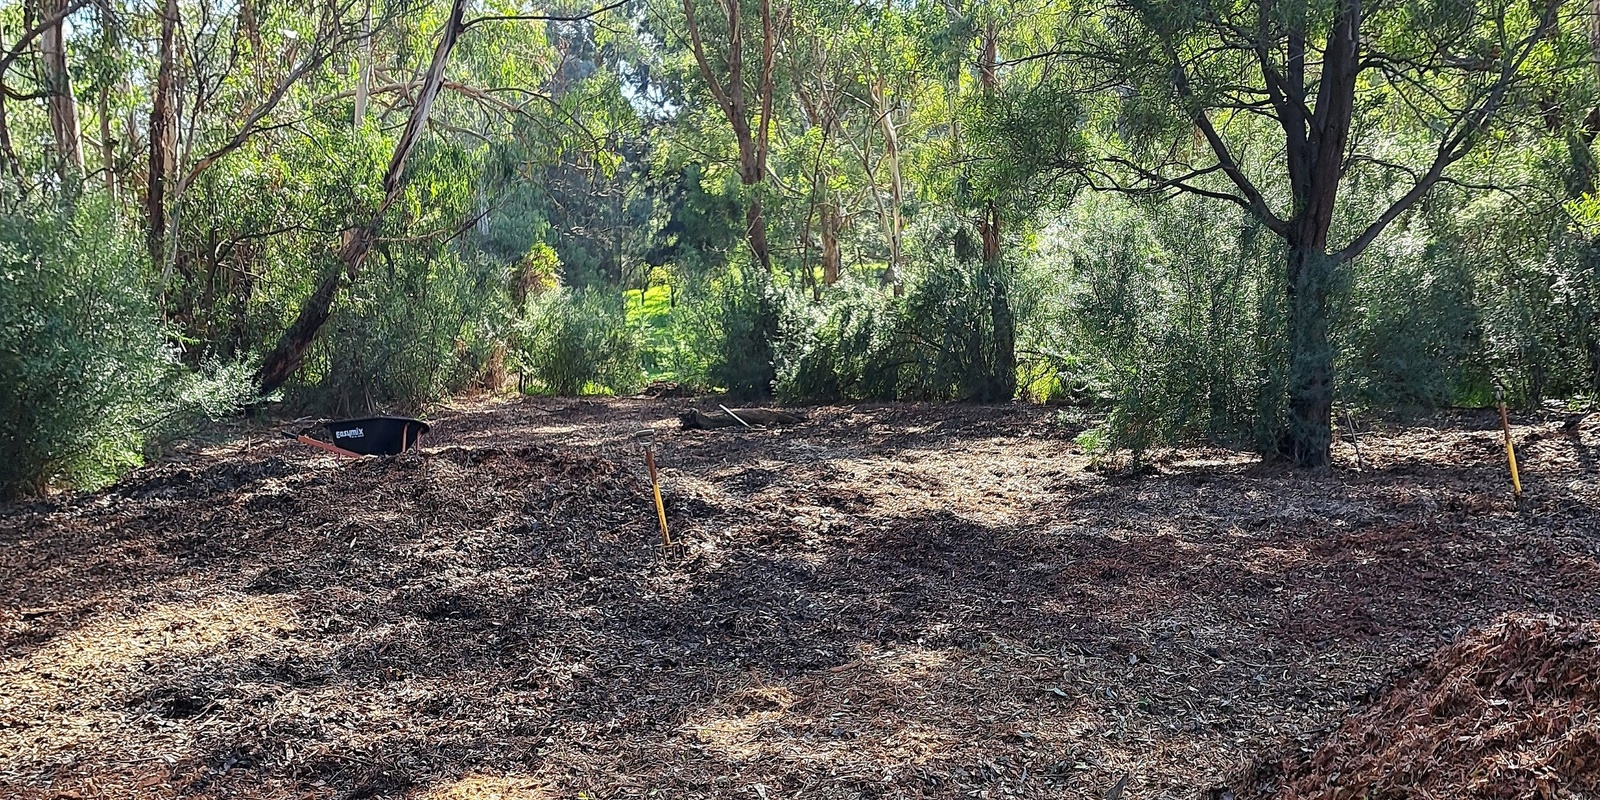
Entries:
{"x":377,"y":436}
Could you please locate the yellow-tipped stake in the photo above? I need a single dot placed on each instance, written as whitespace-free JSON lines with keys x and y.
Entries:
{"x":1511,"y":450}
{"x":655,"y":484}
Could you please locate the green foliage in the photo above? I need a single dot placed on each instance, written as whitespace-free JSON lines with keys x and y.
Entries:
{"x":948,"y":325}
{"x":426,"y":316}
{"x":85,"y":377}
{"x":848,"y":349}
{"x":575,"y":342}
{"x":421,"y":326}
{"x":1163,"y":317}
{"x":1410,"y":326}
{"x":732,"y":325}
{"x":593,"y":155}
{"x":936,"y":343}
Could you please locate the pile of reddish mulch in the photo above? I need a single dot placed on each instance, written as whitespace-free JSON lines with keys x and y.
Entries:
{"x":1511,"y":710}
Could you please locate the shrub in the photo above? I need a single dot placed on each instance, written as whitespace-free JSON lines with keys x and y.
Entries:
{"x":83,"y":369}
{"x":936,"y":343}
{"x":731,"y":328}
{"x":947,"y":324}
{"x":847,"y":349}
{"x":575,"y":341}
{"x":421,"y":323}
{"x":1166,"y":318}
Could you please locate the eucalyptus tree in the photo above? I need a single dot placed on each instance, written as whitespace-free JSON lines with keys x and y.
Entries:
{"x":359,"y":235}
{"x":1186,"y":93}
{"x":745,"y":92}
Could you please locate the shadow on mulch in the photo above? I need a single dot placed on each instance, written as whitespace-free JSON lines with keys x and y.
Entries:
{"x":387,"y":628}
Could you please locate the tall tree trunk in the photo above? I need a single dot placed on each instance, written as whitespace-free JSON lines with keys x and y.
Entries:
{"x":8,"y":154}
{"x":1310,"y":434}
{"x":358,"y":239}
{"x":737,"y":107}
{"x":163,"y":130}
{"x":896,"y":221}
{"x":756,"y":232}
{"x":1593,"y":346}
{"x":364,"y":70}
{"x":63,"y":105}
{"x":1002,"y":383}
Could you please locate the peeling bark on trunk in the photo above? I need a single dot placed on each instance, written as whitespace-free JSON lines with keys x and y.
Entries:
{"x":163,"y":130}
{"x":63,"y":106}
{"x":737,"y":107}
{"x":832,"y":257}
{"x":364,"y":71}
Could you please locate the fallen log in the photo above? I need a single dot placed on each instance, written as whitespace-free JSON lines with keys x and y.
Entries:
{"x":694,"y":418}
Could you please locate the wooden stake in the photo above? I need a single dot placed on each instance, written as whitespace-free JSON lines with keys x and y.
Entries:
{"x":655,"y":487}
{"x":1511,"y":450}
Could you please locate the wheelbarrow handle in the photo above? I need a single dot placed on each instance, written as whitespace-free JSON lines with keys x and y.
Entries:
{"x":318,"y":443}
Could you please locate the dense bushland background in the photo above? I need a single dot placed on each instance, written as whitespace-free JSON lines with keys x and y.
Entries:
{"x":913,"y":201}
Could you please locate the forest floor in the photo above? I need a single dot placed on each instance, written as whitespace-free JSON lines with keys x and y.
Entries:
{"x":882,"y":601}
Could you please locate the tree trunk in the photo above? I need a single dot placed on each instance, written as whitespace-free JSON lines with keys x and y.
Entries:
{"x":1002,"y":383}
{"x":63,"y":106}
{"x":1594,"y":352}
{"x":736,"y":106}
{"x":287,"y":355}
{"x":1003,"y":361}
{"x":897,"y":225}
{"x":832,"y":258}
{"x":756,"y":231}
{"x":363,"y":70}
{"x":8,"y":154}
{"x":108,"y":165}
{"x":290,"y":351}
{"x":1310,"y":432}
{"x":163,"y":127}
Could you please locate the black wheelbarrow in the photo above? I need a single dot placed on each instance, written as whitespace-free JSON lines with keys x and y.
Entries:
{"x":368,"y":436}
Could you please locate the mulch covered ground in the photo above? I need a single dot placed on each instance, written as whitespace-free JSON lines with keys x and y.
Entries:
{"x":886,"y":601}
{"x":1508,"y":711}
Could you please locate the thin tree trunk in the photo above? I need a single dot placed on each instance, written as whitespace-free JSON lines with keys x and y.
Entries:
{"x":1593,"y":345}
{"x":163,"y":127}
{"x":832,"y":257}
{"x":108,"y":165}
{"x":358,"y":239}
{"x":7,"y":152}
{"x":1003,"y":361}
{"x":897,"y":225}
{"x":63,"y":106}
{"x":1002,"y":382}
{"x":364,"y":70}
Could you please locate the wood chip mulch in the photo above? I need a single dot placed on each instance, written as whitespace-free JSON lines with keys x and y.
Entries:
{"x":1511,"y":710}
{"x":882,"y":601}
